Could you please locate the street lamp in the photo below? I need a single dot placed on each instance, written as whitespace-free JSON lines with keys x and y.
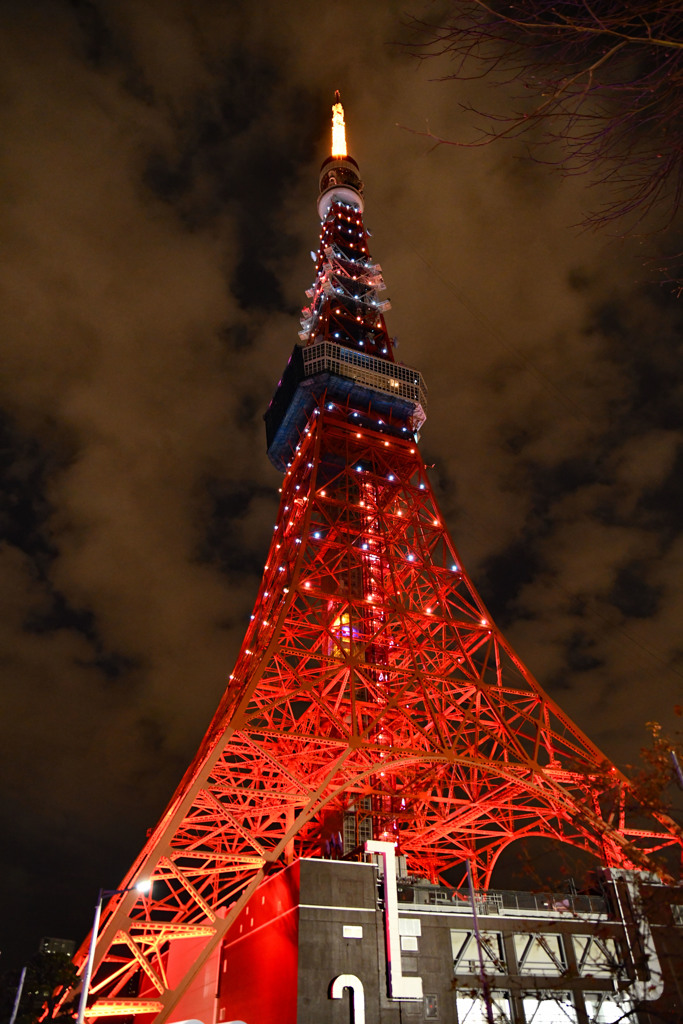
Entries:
{"x":143,"y":886}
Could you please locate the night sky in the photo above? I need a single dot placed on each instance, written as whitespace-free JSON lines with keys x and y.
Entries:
{"x":158,"y":176}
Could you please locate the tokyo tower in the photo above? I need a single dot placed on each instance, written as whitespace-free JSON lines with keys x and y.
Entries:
{"x":373,"y":697}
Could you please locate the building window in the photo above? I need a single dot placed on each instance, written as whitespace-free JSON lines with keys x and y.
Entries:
{"x":466,"y":954}
{"x":540,"y":954}
{"x":677,"y":912}
{"x":357,"y":824}
{"x":597,"y":957}
{"x":606,"y":1007}
{"x":548,"y":1007}
{"x":471,"y":1008}
{"x":431,"y":1007}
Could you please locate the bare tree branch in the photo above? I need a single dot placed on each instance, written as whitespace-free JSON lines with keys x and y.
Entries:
{"x":601,"y":92}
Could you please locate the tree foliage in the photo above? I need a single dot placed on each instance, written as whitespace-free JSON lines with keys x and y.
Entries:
{"x":660,"y":774}
{"x":604,"y":79}
{"x":48,"y":977}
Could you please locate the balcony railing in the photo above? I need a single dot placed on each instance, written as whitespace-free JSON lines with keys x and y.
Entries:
{"x":501,"y":902}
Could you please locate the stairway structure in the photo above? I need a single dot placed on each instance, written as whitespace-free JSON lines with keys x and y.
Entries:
{"x":373,"y":697}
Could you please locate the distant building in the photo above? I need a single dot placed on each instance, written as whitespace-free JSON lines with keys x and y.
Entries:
{"x":49,"y":944}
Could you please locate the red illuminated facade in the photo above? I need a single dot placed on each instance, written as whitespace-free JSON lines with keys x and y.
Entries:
{"x":373,"y":696}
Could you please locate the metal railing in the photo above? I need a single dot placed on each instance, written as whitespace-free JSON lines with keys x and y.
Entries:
{"x":381,"y":375}
{"x":501,"y":902}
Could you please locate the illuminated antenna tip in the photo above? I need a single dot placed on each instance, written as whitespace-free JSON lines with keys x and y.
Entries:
{"x":338,"y":128}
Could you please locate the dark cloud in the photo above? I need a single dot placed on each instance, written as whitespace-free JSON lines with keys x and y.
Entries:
{"x":228,"y":511}
{"x":97,"y":43}
{"x":632,"y":594}
{"x":159,"y":176}
{"x":661,"y":505}
{"x":504,"y":574}
{"x":25,"y":467}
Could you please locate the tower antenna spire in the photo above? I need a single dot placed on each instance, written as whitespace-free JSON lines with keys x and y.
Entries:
{"x":338,"y":128}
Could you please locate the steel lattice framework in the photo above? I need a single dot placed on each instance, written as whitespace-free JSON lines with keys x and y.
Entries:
{"x":373,"y":695}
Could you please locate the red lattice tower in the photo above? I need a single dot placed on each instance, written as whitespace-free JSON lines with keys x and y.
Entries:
{"x":373,"y":696}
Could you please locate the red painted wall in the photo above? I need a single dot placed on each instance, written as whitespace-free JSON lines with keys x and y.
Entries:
{"x":199,"y":1002}
{"x":259,"y":960}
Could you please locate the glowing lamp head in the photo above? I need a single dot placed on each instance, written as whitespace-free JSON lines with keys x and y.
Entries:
{"x":144,"y":885}
{"x":338,"y":128}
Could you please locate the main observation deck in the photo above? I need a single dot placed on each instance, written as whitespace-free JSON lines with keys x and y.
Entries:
{"x":376,"y":388}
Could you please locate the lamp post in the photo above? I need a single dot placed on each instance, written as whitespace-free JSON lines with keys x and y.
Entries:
{"x":17,"y":998}
{"x":87,"y":974}
{"x":486,"y":992}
